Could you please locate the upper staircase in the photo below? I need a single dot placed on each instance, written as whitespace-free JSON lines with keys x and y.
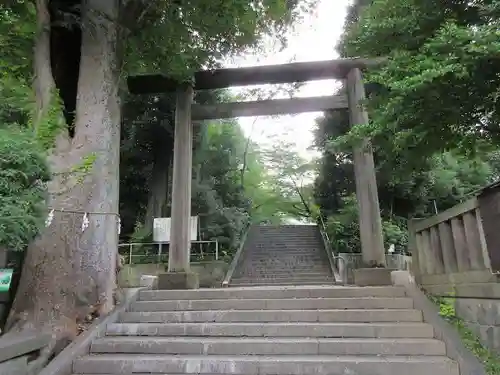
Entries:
{"x":283,"y":255}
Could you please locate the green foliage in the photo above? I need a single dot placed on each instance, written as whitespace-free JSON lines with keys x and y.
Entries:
{"x":290,"y":179}
{"x":442,"y":75}
{"x":343,"y":229}
{"x":23,"y":175}
{"x":17,"y":30}
{"x":81,"y":170}
{"x":219,"y":196}
{"x":23,"y":165}
{"x":433,"y":112}
{"x":406,"y":189}
{"x":51,"y":123}
{"x":178,"y":37}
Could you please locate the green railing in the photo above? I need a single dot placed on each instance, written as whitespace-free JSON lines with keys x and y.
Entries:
{"x":156,"y":252}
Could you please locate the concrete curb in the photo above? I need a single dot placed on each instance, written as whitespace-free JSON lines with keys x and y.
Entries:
{"x":63,"y":363}
{"x":455,"y":349}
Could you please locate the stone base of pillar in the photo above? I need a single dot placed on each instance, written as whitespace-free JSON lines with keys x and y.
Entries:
{"x":373,"y":276}
{"x":178,"y":280}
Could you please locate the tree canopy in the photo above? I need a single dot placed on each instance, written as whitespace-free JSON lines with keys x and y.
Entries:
{"x":433,"y":113}
{"x":442,"y":73}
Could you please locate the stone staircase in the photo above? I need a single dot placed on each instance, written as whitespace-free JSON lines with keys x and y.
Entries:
{"x":275,"y":330}
{"x":283,"y":255}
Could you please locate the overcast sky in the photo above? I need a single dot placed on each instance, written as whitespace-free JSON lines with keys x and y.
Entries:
{"x":314,"y":39}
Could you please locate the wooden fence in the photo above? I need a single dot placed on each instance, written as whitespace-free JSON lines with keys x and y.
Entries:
{"x":457,"y":254}
{"x":450,"y":248}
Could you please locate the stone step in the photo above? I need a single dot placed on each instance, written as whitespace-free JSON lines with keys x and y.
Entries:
{"x":279,"y":274}
{"x":285,"y":277}
{"x":267,"y":346}
{"x":273,"y":292}
{"x":289,"y":231}
{"x":295,"y":261}
{"x":264,"y":365}
{"x":248,"y":280}
{"x":289,"y":266}
{"x":279,"y":243}
{"x":326,"y":279}
{"x":270,"y":253}
{"x":301,"y":266}
{"x":282,"y":282}
{"x":301,"y":259}
{"x":276,"y":274}
{"x":296,"y":276}
{"x":289,"y":239}
{"x":361,"y":316}
{"x":311,"y":329}
{"x":322,"y":268}
{"x":310,"y":234}
{"x":275,"y":304}
{"x":297,"y":249}
{"x":288,"y":244}
{"x":298,"y":261}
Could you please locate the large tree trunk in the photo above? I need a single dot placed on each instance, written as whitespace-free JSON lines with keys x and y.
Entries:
{"x":158,"y":189}
{"x":163,"y":148}
{"x":69,"y":273}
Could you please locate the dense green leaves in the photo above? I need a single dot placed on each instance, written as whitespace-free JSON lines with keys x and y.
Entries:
{"x":17,"y":28}
{"x":434,"y":118}
{"x":219,"y":196}
{"x":442,"y":75}
{"x":23,"y":166}
{"x":177,"y":37}
{"x":23,"y":175}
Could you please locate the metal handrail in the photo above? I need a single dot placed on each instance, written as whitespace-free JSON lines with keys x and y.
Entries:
{"x":236,"y":258}
{"x":323,"y":227}
{"x":331,"y":255}
{"x":131,"y":245}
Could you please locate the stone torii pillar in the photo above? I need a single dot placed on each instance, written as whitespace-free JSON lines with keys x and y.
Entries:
{"x":179,"y":275}
{"x":370,"y":222}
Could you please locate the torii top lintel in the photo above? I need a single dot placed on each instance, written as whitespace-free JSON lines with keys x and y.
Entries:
{"x":255,"y":75}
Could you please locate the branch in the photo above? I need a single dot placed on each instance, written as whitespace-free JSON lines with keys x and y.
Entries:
{"x":302,"y":199}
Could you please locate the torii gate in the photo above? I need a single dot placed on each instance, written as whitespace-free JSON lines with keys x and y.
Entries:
{"x":372,"y":246}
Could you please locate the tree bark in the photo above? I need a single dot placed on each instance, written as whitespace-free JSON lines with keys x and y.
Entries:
{"x":69,"y":273}
{"x":158,"y":188}
{"x":163,"y":147}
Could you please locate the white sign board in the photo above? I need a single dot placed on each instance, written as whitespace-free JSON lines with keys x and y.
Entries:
{"x":162,"y":225}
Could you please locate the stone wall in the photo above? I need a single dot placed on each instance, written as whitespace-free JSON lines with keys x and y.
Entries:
{"x":211,"y":273}
{"x":476,"y":297}
{"x":353,"y":261}
{"x":482,"y":316}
